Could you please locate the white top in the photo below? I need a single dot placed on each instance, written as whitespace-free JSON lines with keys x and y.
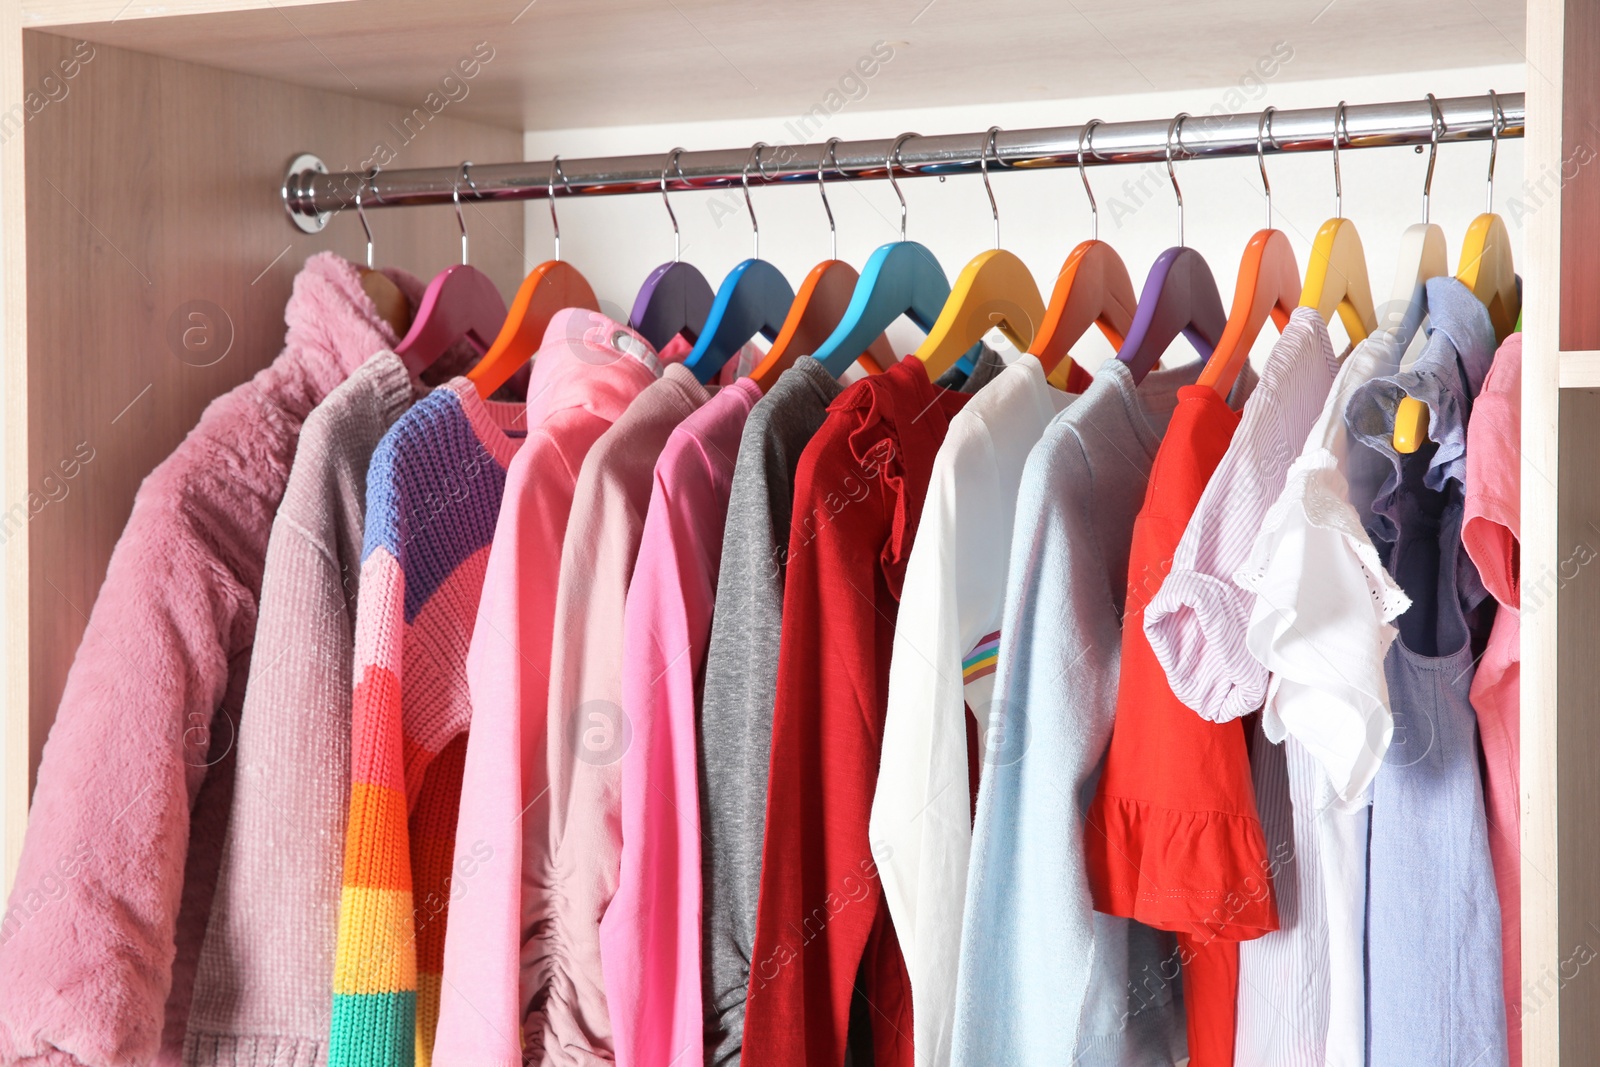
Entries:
{"x":1320,"y":594}
{"x":948,"y":625}
{"x":1196,"y":622}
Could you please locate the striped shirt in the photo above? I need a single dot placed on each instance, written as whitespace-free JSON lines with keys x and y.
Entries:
{"x":1197,"y":621}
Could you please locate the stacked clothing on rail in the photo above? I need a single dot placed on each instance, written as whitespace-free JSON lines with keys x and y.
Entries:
{"x":882,"y":721}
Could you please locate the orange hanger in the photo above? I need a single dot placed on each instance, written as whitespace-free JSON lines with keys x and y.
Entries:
{"x":1269,"y":284}
{"x":819,"y":305}
{"x":550,"y":287}
{"x":1092,"y":289}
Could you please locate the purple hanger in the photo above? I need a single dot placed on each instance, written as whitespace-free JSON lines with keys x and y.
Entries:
{"x":1180,"y":296}
{"x":675,"y":299}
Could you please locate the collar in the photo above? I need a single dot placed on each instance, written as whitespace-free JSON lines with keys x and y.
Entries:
{"x":590,"y":361}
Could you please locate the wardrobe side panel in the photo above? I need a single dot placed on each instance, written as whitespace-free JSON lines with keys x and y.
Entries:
{"x":1578,"y":178}
{"x":1577,"y":578}
{"x":159,"y":260}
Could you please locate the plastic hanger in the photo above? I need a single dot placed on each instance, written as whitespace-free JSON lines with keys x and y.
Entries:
{"x":676,"y":298}
{"x":1487,"y":270}
{"x":1423,"y":255}
{"x":1336,"y":271}
{"x":754,"y":298}
{"x":1092,"y":289}
{"x":900,"y":278}
{"x":461,"y":302}
{"x":820,"y":304}
{"x":994,"y":289}
{"x":1180,"y":295}
{"x":548,"y":288}
{"x":386,"y":297}
{"x":1268,"y":285}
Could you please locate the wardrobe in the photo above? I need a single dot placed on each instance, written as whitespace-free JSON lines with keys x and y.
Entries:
{"x":148,"y":258}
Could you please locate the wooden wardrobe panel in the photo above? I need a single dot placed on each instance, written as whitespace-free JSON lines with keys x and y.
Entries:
{"x":151,"y":198}
{"x":1578,"y":178}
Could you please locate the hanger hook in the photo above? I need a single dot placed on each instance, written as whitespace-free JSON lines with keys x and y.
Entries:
{"x":983,"y":165}
{"x":677,"y":238}
{"x":550,"y":195}
{"x":1087,"y":131}
{"x":1338,"y":183}
{"x":1495,"y":126}
{"x":369,"y":176}
{"x":755,"y":228}
{"x":1436,"y":129}
{"x":828,"y":152}
{"x":889,"y":161}
{"x":455,"y":196}
{"x":1175,"y":133}
{"x":1264,"y":131}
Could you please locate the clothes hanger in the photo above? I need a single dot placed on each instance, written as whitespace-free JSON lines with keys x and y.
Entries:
{"x":461,"y":302}
{"x":1336,"y":272}
{"x":676,"y":298}
{"x":1487,"y":270}
{"x":995,"y":289}
{"x":1180,"y":295}
{"x":820,"y":304}
{"x":548,"y":288}
{"x":1423,"y":255}
{"x":386,"y":297}
{"x":900,"y":278}
{"x":754,"y":298}
{"x":1268,"y":285}
{"x":1092,"y":289}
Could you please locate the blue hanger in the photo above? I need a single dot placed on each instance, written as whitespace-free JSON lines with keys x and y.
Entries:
{"x":1180,"y":295}
{"x":676,"y":298}
{"x":754,"y":298}
{"x":901,"y":278}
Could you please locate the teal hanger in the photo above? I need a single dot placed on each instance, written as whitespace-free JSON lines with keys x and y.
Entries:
{"x":754,"y":298}
{"x":901,"y":278}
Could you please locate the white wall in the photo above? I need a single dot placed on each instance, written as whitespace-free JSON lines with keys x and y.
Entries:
{"x":617,"y":240}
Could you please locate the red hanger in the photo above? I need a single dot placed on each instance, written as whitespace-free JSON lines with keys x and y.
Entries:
{"x":550,"y":287}
{"x":460,"y":302}
{"x":1092,"y":289}
{"x":819,"y":306}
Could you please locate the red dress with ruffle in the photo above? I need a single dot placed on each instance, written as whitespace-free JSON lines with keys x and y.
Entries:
{"x":1174,"y":840}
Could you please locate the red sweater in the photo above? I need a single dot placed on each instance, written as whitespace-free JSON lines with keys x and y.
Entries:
{"x":1174,"y":838}
{"x":820,"y":918}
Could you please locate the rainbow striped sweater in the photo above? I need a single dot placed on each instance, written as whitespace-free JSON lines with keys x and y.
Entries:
{"x":433,"y":495}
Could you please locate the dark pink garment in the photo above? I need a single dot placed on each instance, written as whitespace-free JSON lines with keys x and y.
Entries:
{"x":104,"y":921}
{"x":1490,"y":532}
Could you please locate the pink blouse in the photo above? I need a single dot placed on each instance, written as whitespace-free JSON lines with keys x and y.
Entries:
{"x":650,"y":936}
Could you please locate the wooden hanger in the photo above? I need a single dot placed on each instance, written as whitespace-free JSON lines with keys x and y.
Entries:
{"x":1423,"y":255}
{"x":676,"y":298}
{"x":1486,"y":269}
{"x":550,"y":287}
{"x":461,"y":303}
{"x":1336,"y":271}
{"x":819,"y":305}
{"x":900,"y":278}
{"x":1092,"y":289}
{"x":1180,"y":296}
{"x":754,"y":298}
{"x":994,"y":289}
{"x":392,"y":305}
{"x":1268,"y":285}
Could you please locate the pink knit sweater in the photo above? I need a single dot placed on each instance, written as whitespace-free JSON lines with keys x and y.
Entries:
{"x":98,"y":944}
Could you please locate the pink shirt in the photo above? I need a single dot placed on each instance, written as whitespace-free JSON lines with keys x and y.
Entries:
{"x":650,"y":936}
{"x":1490,"y":531}
{"x":1197,"y":621}
{"x":586,"y":372}
{"x":572,"y":825}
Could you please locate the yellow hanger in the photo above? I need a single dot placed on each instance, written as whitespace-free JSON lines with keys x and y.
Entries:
{"x":1487,"y":270}
{"x":995,"y":289}
{"x":1336,"y":272}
